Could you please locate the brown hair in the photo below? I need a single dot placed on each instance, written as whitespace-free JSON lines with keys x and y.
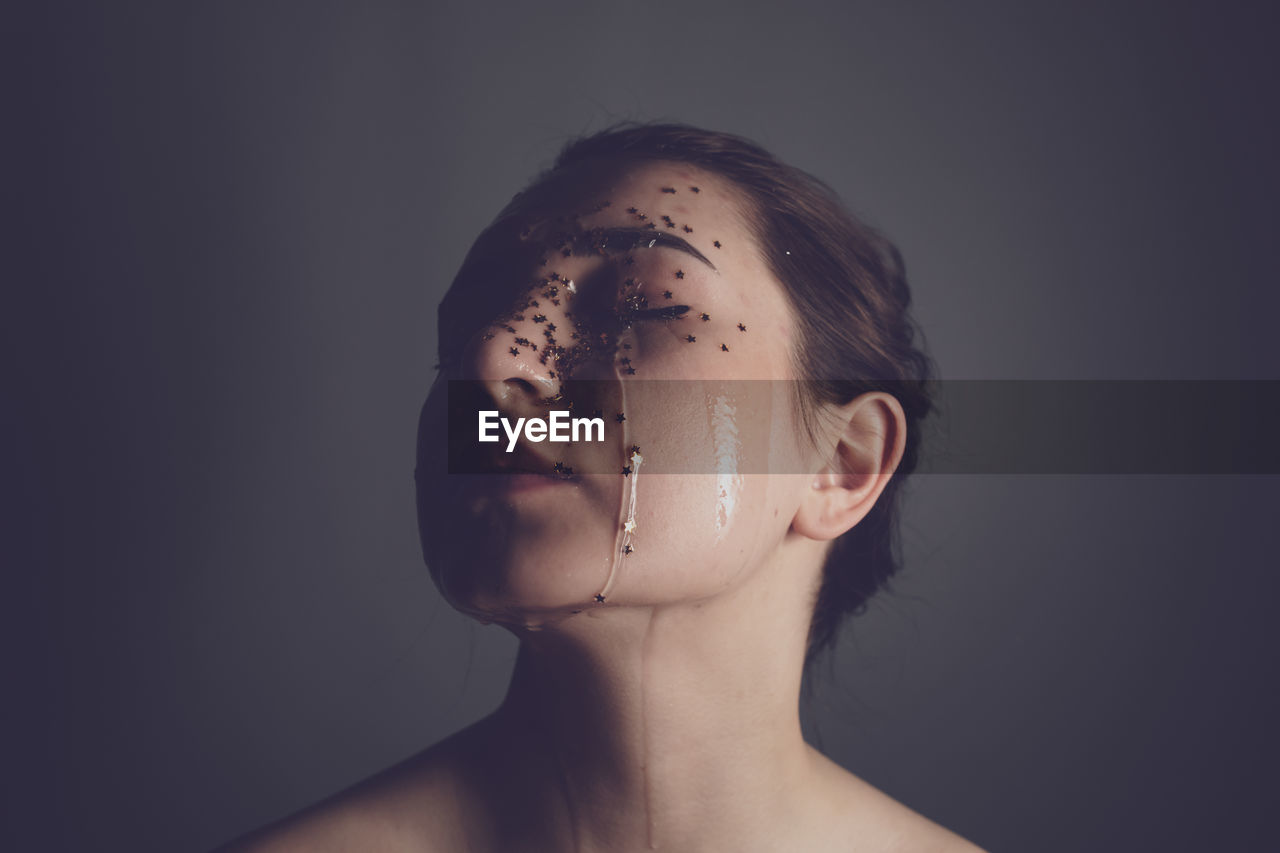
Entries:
{"x":848,"y":291}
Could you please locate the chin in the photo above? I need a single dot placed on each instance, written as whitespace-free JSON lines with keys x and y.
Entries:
{"x":520,"y":580}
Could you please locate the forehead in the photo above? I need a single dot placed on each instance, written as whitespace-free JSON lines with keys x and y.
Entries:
{"x":602,"y":193}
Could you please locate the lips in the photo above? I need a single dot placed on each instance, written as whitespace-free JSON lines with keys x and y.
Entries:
{"x":523,"y":461}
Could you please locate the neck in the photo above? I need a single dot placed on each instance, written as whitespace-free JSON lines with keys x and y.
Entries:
{"x":673,"y":727}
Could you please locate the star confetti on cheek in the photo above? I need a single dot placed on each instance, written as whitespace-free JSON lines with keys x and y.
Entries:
{"x":741,"y":328}
{"x":666,"y":294}
{"x":599,"y":598}
{"x":689,"y":338}
{"x":514,"y":351}
{"x":716,"y":243}
{"x":630,"y":526}
{"x":688,"y":230}
{"x":705,"y":317}
{"x":669,"y":190}
{"x":679,"y":273}
{"x":724,"y":347}
{"x":694,"y":190}
{"x":627,"y":549}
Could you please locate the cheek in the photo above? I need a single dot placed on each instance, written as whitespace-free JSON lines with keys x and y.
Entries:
{"x":699,"y":534}
{"x":706,"y":507}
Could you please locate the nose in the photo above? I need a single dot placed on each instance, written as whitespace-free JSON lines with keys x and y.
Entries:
{"x":515,"y":359}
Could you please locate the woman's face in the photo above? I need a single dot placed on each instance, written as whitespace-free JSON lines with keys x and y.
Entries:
{"x":636,"y":293}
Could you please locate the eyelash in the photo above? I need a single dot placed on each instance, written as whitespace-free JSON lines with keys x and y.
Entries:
{"x":668,"y":312}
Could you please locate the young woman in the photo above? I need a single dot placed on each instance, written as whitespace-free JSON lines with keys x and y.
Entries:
{"x":748,"y":347}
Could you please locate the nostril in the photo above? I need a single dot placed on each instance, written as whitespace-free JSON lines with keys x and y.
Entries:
{"x":520,"y":385}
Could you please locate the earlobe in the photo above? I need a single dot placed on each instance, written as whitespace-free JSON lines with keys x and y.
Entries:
{"x":861,"y":461}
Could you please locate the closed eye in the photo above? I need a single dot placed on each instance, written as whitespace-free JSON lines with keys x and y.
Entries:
{"x":669,"y":312}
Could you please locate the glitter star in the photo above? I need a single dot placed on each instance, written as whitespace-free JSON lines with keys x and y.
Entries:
{"x":636,"y":458}
{"x":627,"y":549}
{"x":666,"y":294}
{"x":514,"y":351}
{"x":690,"y":339}
{"x":626,"y":470}
{"x":704,"y":317}
{"x":679,"y":273}
{"x":630,"y":526}
{"x":599,"y":598}
{"x":741,"y":328}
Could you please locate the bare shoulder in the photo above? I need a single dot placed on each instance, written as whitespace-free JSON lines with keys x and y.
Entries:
{"x":870,"y":819}
{"x":415,"y":805}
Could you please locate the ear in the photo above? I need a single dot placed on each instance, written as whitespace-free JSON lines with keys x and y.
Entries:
{"x":867,"y":452}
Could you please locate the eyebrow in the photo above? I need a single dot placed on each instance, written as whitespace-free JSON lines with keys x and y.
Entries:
{"x":637,"y":237}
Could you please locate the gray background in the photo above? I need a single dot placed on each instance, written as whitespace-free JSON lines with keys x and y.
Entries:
{"x":228,"y":227}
